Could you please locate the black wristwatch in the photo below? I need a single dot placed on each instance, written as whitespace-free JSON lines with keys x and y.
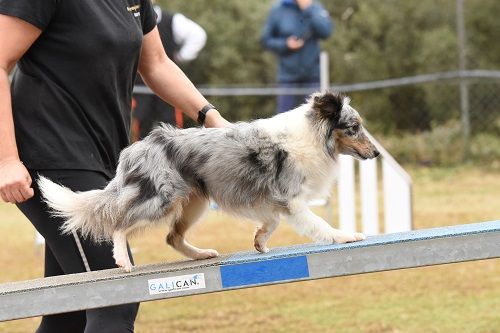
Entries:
{"x":202,"y":114}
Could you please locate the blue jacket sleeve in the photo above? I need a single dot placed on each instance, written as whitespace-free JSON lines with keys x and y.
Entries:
{"x":319,"y":20}
{"x":269,"y":38}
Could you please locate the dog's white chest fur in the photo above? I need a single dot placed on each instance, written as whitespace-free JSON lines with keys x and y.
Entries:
{"x":292,"y":131}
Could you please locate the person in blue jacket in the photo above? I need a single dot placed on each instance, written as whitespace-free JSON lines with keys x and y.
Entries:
{"x":292,"y":31}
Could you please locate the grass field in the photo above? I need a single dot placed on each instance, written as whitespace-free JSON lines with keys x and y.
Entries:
{"x":451,"y":298}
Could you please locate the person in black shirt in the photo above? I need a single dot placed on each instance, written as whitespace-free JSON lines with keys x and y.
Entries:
{"x":67,"y":116}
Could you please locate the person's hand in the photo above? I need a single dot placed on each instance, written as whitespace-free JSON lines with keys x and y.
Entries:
{"x":303,"y":4}
{"x":214,"y":119}
{"x":294,"y":43}
{"x":15,"y":181}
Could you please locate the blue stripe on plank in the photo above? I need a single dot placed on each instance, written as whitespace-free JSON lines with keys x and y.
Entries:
{"x":273,"y":270}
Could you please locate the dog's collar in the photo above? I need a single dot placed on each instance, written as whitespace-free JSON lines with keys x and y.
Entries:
{"x":202,"y":114}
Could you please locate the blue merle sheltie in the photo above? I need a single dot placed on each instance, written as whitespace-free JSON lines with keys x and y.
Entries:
{"x":262,"y":170}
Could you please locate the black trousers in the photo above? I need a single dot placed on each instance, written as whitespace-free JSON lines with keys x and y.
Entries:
{"x":68,"y":254}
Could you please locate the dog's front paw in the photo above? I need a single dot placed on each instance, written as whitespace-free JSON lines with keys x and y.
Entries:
{"x":260,"y":240}
{"x":261,"y":248}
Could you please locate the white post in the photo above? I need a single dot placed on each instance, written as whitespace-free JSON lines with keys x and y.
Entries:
{"x":369,"y":196}
{"x":397,"y":200}
{"x":346,"y":195}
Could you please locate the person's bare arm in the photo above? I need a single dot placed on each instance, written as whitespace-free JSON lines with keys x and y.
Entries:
{"x":169,"y":82}
{"x":16,"y":36}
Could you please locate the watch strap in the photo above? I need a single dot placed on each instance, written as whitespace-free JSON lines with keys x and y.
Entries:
{"x":202,"y":114}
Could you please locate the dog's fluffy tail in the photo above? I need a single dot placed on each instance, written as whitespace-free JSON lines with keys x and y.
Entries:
{"x":90,"y":212}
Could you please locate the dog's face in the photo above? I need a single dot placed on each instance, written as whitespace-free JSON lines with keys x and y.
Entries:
{"x":345,"y":131}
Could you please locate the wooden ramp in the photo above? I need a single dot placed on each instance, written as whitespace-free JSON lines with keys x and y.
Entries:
{"x":250,"y":269}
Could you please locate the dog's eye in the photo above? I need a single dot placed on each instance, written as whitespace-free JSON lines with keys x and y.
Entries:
{"x":355,"y":127}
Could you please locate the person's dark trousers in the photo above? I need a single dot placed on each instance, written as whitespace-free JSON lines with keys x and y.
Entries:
{"x":63,"y":256}
{"x":288,"y":102}
{"x":151,"y":111}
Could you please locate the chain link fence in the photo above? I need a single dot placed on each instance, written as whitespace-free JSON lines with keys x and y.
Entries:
{"x":419,"y":119}
{"x":423,"y":107}
{"x":427,"y":123}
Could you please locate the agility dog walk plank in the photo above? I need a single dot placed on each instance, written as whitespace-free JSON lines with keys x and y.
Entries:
{"x":249,"y":269}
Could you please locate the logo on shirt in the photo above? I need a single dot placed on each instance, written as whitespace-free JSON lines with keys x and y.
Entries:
{"x":134,"y":10}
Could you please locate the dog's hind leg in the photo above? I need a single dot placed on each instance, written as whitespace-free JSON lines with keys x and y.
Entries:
{"x":120,"y":252}
{"x":263,"y":232}
{"x":192,"y":212}
{"x":305,"y":222}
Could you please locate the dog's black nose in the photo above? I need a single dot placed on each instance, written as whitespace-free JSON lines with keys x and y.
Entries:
{"x":376,"y":153}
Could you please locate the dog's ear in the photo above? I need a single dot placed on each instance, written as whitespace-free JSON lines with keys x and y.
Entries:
{"x":329,"y":105}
